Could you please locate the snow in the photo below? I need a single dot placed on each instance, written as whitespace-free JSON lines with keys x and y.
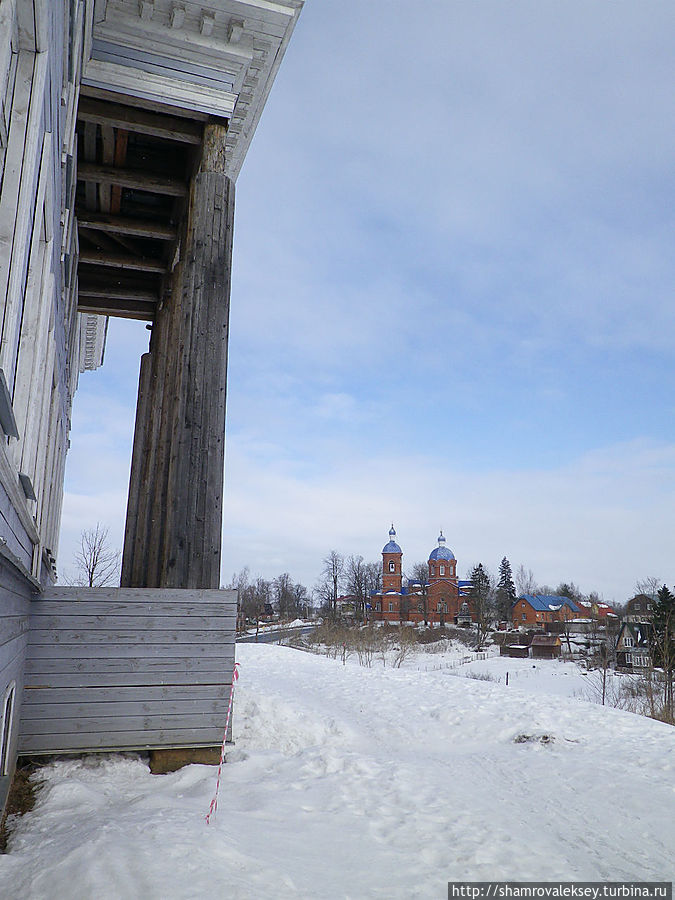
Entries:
{"x":354,"y":782}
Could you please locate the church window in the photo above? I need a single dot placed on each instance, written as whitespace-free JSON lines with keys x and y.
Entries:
{"x":391,"y":607}
{"x":442,"y":570}
{"x":392,"y":566}
{"x":433,"y":570}
{"x":378,"y":606}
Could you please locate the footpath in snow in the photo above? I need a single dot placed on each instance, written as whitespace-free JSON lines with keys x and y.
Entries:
{"x":351,"y":782}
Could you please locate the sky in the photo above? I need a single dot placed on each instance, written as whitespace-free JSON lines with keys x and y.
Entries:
{"x":452,"y":300}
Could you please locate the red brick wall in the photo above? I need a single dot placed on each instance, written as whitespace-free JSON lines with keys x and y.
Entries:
{"x":391,"y":581}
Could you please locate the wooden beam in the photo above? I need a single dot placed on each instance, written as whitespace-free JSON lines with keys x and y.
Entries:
{"x":174,"y":516}
{"x":140,"y":121}
{"x":116,"y":293}
{"x":120,"y":261}
{"x":120,"y":309}
{"x":141,"y":181}
{"x":90,"y":130}
{"x":121,"y":144}
{"x":122,"y":225}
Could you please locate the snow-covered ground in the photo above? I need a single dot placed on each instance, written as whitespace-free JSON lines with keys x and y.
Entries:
{"x":360,"y":782}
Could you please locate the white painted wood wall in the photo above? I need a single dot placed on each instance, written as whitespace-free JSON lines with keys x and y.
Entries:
{"x":41,"y":333}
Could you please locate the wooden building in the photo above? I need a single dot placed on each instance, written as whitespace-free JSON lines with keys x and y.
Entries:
{"x":635,"y":647}
{"x":640,"y":608}
{"x":123,"y":126}
{"x":545,"y":646}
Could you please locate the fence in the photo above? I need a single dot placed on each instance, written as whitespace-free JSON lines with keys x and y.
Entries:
{"x":463,"y":661}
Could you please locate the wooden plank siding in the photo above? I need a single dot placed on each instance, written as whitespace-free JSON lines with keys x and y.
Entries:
{"x":15,"y":597}
{"x":127,"y":669}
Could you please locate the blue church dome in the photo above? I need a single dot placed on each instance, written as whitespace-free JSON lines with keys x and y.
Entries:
{"x":441,"y":552}
{"x":392,"y":546}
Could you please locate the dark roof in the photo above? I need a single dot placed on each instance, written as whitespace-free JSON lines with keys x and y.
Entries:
{"x":641,"y":632}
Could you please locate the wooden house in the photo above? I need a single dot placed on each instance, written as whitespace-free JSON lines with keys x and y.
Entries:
{"x":640,"y":608}
{"x":123,"y":126}
{"x":634,"y":651}
{"x":545,"y":646}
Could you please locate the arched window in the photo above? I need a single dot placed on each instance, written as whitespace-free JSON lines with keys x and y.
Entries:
{"x":433,"y":570}
{"x":392,"y":566}
{"x":441,"y":570}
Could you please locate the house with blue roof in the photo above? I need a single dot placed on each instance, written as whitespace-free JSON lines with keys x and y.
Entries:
{"x":537,"y":609}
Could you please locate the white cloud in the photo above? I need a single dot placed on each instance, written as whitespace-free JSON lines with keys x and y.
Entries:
{"x":591,"y":521}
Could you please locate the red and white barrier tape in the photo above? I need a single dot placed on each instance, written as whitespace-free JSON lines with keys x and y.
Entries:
{"x":214,"y":802}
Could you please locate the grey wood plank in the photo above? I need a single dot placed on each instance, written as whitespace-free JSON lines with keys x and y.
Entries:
{"x":134,"y":594}
{"x":120,"y":724}
{"x":130,"y":740}
{"x":117,"y":680}
{"x":176,"y":637}
{"x":12,"y":651}
{"x":14,"y":603}
{"x":140,"y":121}
{"x":36,"y":695}
{"x":158,"y":623}
{"x":12,"y":627}
{"x":156,"y":667}
{"x":112,"y":711}
{"x":72,"y":653}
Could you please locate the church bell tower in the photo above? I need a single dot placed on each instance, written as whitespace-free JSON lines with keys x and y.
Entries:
{"x":392,"y":555}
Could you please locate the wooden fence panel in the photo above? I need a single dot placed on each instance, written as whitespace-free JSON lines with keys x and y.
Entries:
{"x":127,"y":669}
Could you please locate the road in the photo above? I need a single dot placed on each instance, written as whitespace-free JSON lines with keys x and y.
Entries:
{"x":272,"y":637}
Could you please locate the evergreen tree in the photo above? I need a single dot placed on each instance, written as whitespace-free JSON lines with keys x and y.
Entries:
{"x":664,"y":644}
{"x":506,"y":592}
{"x":479,"y":600}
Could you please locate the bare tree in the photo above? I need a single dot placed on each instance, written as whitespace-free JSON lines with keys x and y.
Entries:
{"x":649,"y":586}
{"x":357,"y":583}
{"x":285,"y":596}
{"x":97,"y":564}
{"x":332,"y":575}
{"x":419,"y":575}
{"x":525,"y":583}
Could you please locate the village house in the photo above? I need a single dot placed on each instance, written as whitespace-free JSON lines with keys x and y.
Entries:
{"x":640,"y":608}
{"x":538,"y":609}
{"x":542,"y":609}
{"x":634,"y":647}
{"x":595,"y":609}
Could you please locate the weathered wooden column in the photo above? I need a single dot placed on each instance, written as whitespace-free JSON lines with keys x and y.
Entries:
{"x":174,"y":512}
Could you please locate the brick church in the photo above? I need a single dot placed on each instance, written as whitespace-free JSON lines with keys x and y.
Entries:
{"x":438,"y":600}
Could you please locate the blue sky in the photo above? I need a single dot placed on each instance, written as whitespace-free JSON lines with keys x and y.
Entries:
{"x":452,"y":299}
